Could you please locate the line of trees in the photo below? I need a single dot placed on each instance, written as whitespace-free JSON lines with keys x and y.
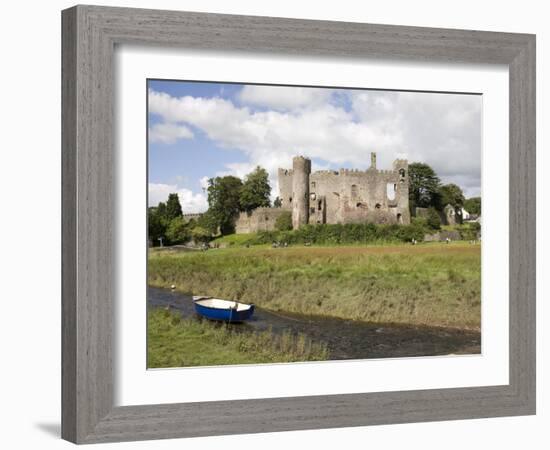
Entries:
{"x":167,"y":225}
{"x":227,"y":197}
{"x":427,"y":191}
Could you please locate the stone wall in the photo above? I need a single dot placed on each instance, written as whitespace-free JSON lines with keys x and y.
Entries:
{"x":354,"y":196}
{"x":261,"y":219}
{"x":449,"y":215}
{"x":452,"y":215}
{"x":343,"y":196}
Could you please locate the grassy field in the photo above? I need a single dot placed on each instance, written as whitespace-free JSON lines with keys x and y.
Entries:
{"x":176,"y":342}
{"x":234,"y":239}
{"x":433,"y":284}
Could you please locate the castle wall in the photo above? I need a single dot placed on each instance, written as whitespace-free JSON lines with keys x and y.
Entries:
{"x":354,"y":196}
{"x":261,"y":219}
{"x":344,"y":196}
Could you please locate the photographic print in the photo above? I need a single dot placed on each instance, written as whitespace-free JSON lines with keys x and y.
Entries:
{"x":289,"y":224}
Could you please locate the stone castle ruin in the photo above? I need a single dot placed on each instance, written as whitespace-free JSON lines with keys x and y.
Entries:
{"x":328,"y":196}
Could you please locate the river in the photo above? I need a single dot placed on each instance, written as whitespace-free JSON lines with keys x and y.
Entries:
{"x":346,"y":339}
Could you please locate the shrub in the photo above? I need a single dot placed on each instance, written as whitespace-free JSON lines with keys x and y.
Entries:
{"x":284,"y":222}
{"x":433,"y":220}
{"x":178,"y":231}
{"x":333,"y":234}
{"x":476,"y":226}
{"x":468,"y":232}
{"x":264,"y":237}
{"x":200,"y":234}
{"x":419,"y":221}
{"x":407,"y":233}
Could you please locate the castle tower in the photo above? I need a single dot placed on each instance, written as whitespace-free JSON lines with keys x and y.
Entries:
{"x":300,"y":191}
{"x":401,"y":166}
{"x":373,"y":160}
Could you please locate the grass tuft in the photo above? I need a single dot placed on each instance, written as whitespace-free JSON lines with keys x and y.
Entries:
{"x":177,"y":342}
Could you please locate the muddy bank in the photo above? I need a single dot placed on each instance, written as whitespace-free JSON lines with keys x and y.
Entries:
{"x":345,"y":339}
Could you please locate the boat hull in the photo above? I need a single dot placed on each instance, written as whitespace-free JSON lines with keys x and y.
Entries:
{"x":224,"y":314}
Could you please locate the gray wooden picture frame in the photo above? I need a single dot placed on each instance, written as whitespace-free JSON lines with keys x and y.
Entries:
{"x":90,"y":34}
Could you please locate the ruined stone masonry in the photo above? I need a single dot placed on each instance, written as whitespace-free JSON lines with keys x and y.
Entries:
{"x":344,"y":196}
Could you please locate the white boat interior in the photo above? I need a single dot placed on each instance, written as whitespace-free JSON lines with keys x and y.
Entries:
{"x":218,"y":303}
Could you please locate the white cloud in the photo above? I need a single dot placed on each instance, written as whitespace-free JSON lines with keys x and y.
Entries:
{"x":240,"y":170}
{"x":204,"y":183}
{"x":440,"y":129}
{"x":190,"y":201}
{"x":283,"y":97}
{"x":169,"y":133}
{"x":205,"y":113}
{"x":271,"y":138}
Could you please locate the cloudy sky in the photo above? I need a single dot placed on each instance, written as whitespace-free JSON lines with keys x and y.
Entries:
{"x":202,"y":130}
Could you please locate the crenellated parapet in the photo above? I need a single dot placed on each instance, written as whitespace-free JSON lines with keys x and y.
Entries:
{"x":285,"y":172}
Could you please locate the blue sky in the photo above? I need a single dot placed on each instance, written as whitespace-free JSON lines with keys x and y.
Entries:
{"x":200,"y":130}
{"x":184,"y":162}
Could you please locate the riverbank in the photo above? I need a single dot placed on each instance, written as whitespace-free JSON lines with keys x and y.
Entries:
{"x":430,"y":284}
{"x":344,"y":339}
{"x":173,"y":341}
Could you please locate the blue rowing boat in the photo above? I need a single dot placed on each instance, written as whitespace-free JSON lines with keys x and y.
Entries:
{"x":222,"y":310}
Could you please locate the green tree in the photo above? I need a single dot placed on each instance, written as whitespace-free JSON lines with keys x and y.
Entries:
{"x":224,"y":202}
{"x":208,"y":222}
{"x":173,"y":207}
{"x":277,"y":203}
{"x":284,"y":222}
{"x":433,"y":220}
{"x":178,"y":231}
{"x":200,"y":234}
{"x":451,"y":194}
{"x":161,"y":210}
{"x":473,"y":205}
{"x":255,"y":191}
{"x":156,"y":225}
{"x":423,"y":186}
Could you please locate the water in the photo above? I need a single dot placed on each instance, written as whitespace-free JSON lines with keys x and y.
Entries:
{"x":345,"y":339}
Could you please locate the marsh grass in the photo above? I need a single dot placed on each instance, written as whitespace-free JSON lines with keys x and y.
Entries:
{"x":177,"y":342}
{"x":429,"y":284}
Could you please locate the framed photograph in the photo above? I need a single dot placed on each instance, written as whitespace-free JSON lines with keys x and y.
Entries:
{"x":277,"y":224}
